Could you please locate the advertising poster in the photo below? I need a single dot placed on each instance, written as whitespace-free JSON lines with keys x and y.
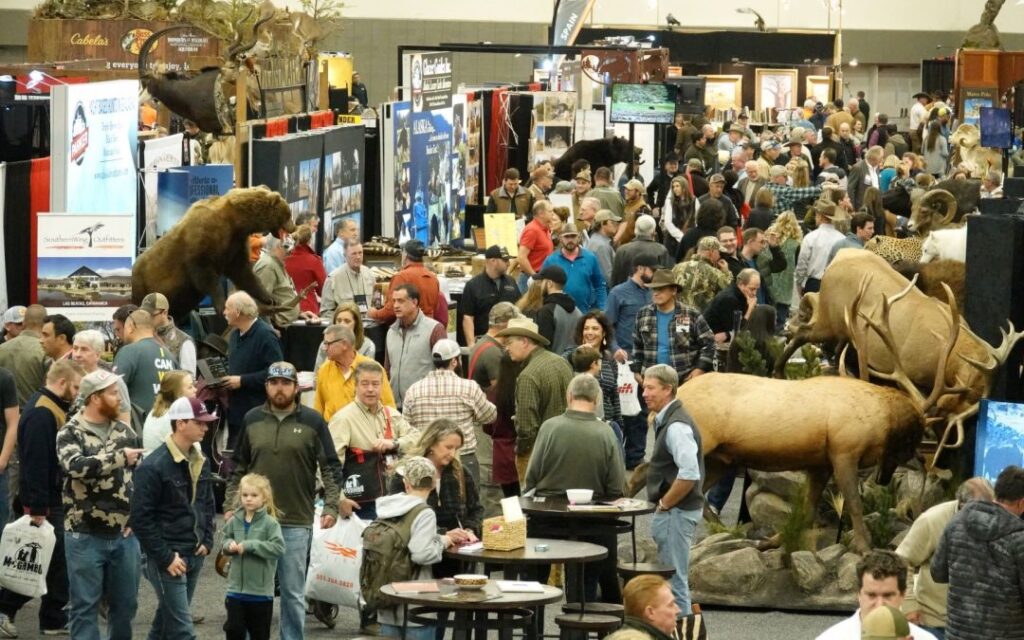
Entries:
{"x":157,"y":154}
{"x":84,"y":264}
{"x":974,"y":99}
{"x":179,"y":188}
{"x":474,"y":147}
{"x":401,"y":118}
{"x":431,"y":81}
{"x":431,"y":177}
{"x":343,"y":176}
{"x":291,"y":165}
{"x":92,"y":149}
{"x":554,"y":115}
{"x":1000,"y":438}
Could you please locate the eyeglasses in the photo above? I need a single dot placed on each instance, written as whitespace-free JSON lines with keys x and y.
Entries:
{"x":328,"y":343}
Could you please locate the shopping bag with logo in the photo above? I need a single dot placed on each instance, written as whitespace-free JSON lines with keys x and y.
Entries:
{"x":629,"y":403}
{"x":25,"y":552}
{"x":334,"y":559}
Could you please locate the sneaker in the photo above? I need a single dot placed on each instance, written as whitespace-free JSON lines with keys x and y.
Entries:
{"x":7,"y":628}
{"x":63,"y":631}
{"x":326,"y":613}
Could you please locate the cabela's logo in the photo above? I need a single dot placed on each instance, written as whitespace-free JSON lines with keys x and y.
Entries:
{"x":133,"y":40}
{"x":26,"y":559}
{"x":89,"y":40}
{"x":79,"y":135}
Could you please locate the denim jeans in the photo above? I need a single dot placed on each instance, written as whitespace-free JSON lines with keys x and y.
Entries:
{"x":673,"y":532}
{"x":781,"y":316}
{"x":938,"y":632}
{"x":97,"y":567}
{"x":718,"y":495}
{"x":173,"y":617}
{"x":634,"y":432}
{"x":291,"y":577}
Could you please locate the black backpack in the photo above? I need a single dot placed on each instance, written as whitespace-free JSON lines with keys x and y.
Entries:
{"x":386,"y":556}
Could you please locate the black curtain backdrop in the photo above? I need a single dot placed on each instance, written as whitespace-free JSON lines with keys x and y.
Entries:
{"x":17,"y":222}
{"x":937,"y":75}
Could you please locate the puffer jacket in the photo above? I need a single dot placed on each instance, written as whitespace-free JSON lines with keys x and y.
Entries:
{"x":981,"y":556}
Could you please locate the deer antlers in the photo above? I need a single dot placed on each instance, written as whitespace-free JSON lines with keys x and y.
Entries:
{"x":999,"y":354}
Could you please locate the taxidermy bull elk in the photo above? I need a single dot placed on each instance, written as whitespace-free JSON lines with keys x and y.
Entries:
{"x":823,"y":425}
{"x":203,"y":97}
{"x":918,"y":324}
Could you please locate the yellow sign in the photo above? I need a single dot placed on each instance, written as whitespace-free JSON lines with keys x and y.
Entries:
{"x":349,"y":119}
{"x":500,"y":229}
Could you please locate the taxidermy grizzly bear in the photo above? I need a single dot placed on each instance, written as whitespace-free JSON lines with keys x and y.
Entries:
{"x":211,"y":241}
{"x":604,"y":152}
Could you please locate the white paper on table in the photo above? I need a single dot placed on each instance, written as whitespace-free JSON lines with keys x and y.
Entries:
{"x":511,"y":510}
{"x":517,"y":586}
{"x":472,"y":547}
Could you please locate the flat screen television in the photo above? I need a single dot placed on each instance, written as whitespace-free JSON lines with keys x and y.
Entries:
{"x":643,"y":103}
{"x":996,"y":130}
{"x":690,"y":94}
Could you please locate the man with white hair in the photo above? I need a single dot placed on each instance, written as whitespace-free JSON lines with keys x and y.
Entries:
{"x":87,"y":351}
{"x":992,"y":185}
{"x":643,"y":244}
{"x":252,"y":348}
{"x":589,"y":206}
{"x":864,"y":174}
{"x":345,"y":231}
{"x":751,"y":182}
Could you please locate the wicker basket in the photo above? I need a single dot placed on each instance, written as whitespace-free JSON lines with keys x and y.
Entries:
{"x":504,"y":536}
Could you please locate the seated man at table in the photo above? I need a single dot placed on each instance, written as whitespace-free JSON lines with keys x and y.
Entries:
{"x":409,"y":513}
{"x":577,"y":451}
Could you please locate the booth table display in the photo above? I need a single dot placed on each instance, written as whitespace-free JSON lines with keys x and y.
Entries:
{"x":472,"y":609}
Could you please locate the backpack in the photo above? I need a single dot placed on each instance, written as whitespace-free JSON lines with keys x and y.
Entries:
{"x":386,"y":556}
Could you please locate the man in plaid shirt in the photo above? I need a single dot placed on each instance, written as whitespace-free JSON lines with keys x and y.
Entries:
{"x":443,"y":394}
{"x":669,"y":332}
{"x":785,"y":195}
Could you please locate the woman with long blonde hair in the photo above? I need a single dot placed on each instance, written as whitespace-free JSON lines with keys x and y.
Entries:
{"x":531,"y":301}
{"x":788,"y":232}
{"x":156,"y":428}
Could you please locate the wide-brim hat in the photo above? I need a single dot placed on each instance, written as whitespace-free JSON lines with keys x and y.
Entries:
{"x":524,"y":328}
{"x":921,"y":94}
{"x":663,"y":278}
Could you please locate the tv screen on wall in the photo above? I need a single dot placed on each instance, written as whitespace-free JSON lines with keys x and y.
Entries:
{"x":643,"y":103}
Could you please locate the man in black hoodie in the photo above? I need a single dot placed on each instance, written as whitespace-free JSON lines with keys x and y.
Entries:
{"x":981,"y":556}
{"x":557,"y":319}
{"x":40,"y":496}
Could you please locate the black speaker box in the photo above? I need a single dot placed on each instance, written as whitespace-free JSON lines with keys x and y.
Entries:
{"x":994,"y":294}
{"x":999,"y":206}
{"x":1014,"y":187}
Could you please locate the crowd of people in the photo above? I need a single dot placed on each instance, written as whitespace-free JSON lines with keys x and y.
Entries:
{"x":619,"y":300}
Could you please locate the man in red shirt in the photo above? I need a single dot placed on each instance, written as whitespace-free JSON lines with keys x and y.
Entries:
{"x":432,"y":301}
{"x":535,"y":243}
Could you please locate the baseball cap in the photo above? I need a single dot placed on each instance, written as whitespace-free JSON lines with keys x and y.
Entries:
{"x":709,"y":243}
{"x":185,"y":408}
{"x":645,"y":225}
{"x":446,"y":349}
{"x":569,"y":230}
{"x":743,"y":116}
{"x":154,"y":302}
{"x":96,"y":381}
{"x":552,"y":273}
{"x":284,"y":370}
{"x":884,"y":623}
{"x":415,"y":249}
{"x":15,"y":314}
{"x":604,"y":215}
{"x":415,"y":469}
{"x":635,"y":185}
{"x":716,"y":178}
{"x":495,"y":251}
{"x":767,"y":145}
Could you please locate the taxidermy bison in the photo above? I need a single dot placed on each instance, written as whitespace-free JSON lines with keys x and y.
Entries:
{"x":605,"y":152}
{"x":211,"y":241}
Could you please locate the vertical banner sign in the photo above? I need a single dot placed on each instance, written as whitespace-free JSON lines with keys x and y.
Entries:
{"x":568,"y":20}
{"x":431,"y":177}
{"x":93,"y":147}
{"x":429,"y":75}
{"x":84,"y":264}
{"x":157,"y":154}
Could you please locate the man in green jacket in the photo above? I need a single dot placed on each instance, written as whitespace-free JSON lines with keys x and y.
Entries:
{"x":288,"y":443}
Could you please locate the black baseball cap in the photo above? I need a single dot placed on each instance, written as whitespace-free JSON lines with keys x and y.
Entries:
{"x":646,"y":260}
{"x":552,"y":273}
{"x":415,"y":249}
{"x":495,"y":251}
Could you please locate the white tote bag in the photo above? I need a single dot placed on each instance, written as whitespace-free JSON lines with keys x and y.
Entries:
{"x":25,"y":552}
{"x":335,"y":556}
{"x":629,"y":402}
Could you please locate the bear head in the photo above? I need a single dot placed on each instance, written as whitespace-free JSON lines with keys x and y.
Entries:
{"x":621,"y":150}
{"x":265,"y":211}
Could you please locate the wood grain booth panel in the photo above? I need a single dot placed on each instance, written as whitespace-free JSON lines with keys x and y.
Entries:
{"x":977,"y":67}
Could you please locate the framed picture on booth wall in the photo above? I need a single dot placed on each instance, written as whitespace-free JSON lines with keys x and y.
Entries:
{"x":724,"y":92}
{"x":775,"y":89}
{"x":817,"y":87}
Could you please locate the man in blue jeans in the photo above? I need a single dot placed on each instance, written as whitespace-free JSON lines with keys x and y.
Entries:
{"x":97,"y":454}
{"x":674,"y":477}
{"x":288,"y":442}
{"x":172,"y":515}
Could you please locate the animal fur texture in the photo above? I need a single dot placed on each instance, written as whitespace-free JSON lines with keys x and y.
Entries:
{"x":604,"y":152}
{"x":945,"y":244}
{"x":932,"y":275}
{"x":211,"y":241}
{"x":977,"y":159}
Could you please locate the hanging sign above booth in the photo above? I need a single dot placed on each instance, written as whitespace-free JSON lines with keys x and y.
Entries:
{"x":428,"y":76}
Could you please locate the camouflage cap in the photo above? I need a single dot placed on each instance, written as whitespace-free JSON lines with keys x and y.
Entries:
{"x":709,"y":243}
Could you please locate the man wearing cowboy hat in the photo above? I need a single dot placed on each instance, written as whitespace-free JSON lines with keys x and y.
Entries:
{"x":540,"y":387}
{"x":796,"y":148}
{"x":816,"y":246}
{"x":919,"y":112}
{"x":730,"y":138}
{"x":669,"y":332}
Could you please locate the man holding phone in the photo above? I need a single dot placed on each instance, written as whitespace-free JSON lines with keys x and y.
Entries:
{"x":97,"y":454}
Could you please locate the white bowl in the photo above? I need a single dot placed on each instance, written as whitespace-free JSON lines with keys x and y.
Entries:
{"x":470,"y":581}
{"x":579,"y":496}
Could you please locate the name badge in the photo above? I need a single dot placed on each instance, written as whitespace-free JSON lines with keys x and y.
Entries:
{"x":360,"y":300}
{"x":683,"y":328}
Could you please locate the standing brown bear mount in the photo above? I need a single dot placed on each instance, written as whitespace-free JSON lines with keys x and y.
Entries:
{"x":209,"y":242}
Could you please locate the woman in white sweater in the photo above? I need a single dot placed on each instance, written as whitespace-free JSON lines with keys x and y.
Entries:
{"x":157,"y":427}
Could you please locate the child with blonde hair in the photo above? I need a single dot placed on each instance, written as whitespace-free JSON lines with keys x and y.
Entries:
{"x":253,"y":537}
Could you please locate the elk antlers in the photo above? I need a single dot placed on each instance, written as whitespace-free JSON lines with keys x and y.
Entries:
{"x":999,"y":354}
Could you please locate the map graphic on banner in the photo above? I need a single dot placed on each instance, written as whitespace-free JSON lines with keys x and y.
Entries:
{"x":84,"y":264}
{"x":93,"y":151}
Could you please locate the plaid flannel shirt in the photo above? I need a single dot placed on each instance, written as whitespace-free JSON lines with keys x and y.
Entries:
{"x":693,"y":343}
{"x":786,"y":196}
{"x":540,"y":395}
{"x":442,"y":394}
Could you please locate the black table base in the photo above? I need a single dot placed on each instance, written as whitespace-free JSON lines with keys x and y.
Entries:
{"x":464,"y":623}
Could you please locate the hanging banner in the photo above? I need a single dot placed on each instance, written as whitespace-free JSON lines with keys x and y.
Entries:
{"x":431,"y":177}
{"x":84,"y":264}
{"x":93,"y":147}
{"x":429,"y":78}
{"x":157,"y":154}
{"x":568,"y":20}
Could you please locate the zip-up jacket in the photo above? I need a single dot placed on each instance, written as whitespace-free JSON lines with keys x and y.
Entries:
{"x":40,"y":475}
{"x":252,"y":572}
{"x":172,"y":507}
{"x":288,"y":451}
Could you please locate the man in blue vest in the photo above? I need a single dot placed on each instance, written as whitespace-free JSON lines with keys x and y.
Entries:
{"x":674,"y":478}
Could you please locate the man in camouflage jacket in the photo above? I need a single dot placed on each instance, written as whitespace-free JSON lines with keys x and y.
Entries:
{"x":97,"y":454}
{"x":703,"y":276}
